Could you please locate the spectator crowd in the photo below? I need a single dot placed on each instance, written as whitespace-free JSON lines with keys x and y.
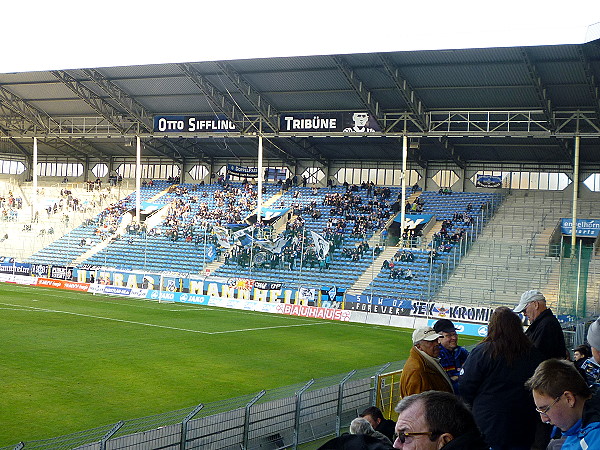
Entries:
{"x":516,"y":390}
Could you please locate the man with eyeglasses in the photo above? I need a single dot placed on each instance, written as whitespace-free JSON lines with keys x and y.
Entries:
{"x":546,"y":334}
{"x":452,"y":355}
{"x":434,"y":420}
{"x":544,"y":328}
{"x":563,"y":399}
{"x":422,"y":370}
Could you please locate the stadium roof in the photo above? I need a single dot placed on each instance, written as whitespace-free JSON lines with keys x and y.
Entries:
{"x":513,"y":105}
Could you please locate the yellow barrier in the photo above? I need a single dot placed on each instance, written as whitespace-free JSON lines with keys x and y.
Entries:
{"x":388,"y":393}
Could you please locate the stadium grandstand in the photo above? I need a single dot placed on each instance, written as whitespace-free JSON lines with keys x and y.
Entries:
{"x":368,"y":184}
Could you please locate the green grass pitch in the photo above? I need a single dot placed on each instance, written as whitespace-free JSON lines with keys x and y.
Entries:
{"x":73,"y":361}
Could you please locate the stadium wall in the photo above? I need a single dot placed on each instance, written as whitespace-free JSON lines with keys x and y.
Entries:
{"x":470,"y":320}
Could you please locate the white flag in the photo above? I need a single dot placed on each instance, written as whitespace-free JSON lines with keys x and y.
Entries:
{"x":222,"y":236}
{"x":321,"y":245}
{"x":280,"y":243}
{"x":307,"y":294}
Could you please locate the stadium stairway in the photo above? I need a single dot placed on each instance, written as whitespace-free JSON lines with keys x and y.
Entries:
{"x":22,"y":243}
{"x":127,"y":219}
{"x":503,"y":263}
{"x":372,"y":270}
{"x":593,"y":292}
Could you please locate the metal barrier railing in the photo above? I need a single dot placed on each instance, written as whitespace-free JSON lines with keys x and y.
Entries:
{"x":280,"y":418}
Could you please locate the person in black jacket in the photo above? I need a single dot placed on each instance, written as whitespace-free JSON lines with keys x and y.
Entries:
{"x":493,"y":383}
{"x":354,"y":442}
{"x":544,"y":330}
{"x":547,"y":336}
{"x":379,"y":423}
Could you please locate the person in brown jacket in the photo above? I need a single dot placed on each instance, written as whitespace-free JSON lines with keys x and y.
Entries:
{"x":422,"y":371}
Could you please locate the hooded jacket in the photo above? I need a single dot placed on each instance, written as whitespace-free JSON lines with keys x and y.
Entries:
{"x":585,"y":434}
{"x":420,"y":374}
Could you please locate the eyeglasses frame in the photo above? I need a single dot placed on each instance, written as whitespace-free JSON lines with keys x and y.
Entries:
{"x":547,"y":408}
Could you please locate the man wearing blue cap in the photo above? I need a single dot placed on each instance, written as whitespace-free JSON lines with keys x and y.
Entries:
{"x":452,"y":355}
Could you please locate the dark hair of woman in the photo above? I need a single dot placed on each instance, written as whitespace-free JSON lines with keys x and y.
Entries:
{"x":506,"y":338}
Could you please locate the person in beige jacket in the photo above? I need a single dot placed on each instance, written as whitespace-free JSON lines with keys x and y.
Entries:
{"x":422,"y":371}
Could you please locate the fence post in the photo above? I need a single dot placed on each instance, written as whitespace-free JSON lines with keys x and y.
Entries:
{"x":184,"y":424}
{"x":297,"y":412}
{"x":376,"y":377}
{"x":338,"y":419}
{"x":247,"y":418}
{"x":110,"y":434}
{"x":453,"y":259}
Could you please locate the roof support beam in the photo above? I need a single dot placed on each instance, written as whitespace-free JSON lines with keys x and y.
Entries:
{"x":592,"y":83}
{"x":40,"y":121}
{"x":37,"y":118}
{"x":68,"y":149}
{"x":540,"y":88}
{"x":414,"y":155}
{"x":192,"y":148}
{"x":219,"y":101}
{"x":268,"y":113}
{"x":255,"y":98}
{"x":101,"y":106}
{"x":451,"y":152}
{"x":307,"y":146}
{"x":224,"y":105}
{"x":158,"y":145}
{"x":356,"y":83}
{"x":14,"y":142}
{"x":129,"y":104}
{"x":407,"y":92}
{"x":544,"y":100}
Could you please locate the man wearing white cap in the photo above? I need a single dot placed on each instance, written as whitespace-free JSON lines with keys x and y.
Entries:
{"x":547,"y":336}
{"x":544,"y":330}
{"x":422,"y":371}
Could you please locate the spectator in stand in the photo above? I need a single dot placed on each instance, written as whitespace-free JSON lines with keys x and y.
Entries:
{"x":436,"y":420}
{"x":493,"y":382}
{"x":563,"y":399}
{"x":360,"y":425}
{"x":580,"y":354}
{"x":544,"y":330}
{"x":379,"y":423}
{"x":422,"y":370}
{"x":547,"y":336}
{"x":452,"y":356}
{"x":590,"y":368}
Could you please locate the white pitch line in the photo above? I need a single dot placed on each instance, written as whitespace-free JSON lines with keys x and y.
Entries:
{"x":270,"y":328}
{"x":16,"y":309}
{"x":112,"y":319}
{"x":154,"y":325}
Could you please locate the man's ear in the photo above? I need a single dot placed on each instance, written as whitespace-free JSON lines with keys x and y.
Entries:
{"x":571,"y":399}
{"x":444,"y":439}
